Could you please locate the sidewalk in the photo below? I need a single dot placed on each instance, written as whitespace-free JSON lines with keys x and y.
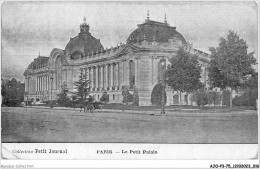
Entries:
{"x":157,"y":112}
{"x":105,"y":110}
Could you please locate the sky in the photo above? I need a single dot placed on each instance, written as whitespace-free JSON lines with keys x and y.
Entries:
{"x":32,"y":27}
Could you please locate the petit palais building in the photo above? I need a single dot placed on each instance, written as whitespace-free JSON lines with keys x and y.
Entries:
{"x":135,"y":64}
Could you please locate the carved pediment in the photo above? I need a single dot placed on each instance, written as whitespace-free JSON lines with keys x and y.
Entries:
{"x":128,"y":49}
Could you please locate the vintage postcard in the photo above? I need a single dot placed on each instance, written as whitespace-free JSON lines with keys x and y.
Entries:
{"x":157,"y":82}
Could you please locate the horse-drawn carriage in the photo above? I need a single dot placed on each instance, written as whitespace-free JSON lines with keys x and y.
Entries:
{"x":91,"y":106}
{"x":88,"y":105}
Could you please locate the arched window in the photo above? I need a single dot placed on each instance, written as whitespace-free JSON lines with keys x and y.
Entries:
{"x":131,"y":74}
{"x":76,"y":55}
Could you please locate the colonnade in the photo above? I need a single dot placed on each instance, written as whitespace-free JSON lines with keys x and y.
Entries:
{"x":42,"y":83}
{"x":103,"y":77}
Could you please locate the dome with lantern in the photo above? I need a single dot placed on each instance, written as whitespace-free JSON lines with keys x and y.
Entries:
{"x":155,"y":31}
{"x":83,"y":43}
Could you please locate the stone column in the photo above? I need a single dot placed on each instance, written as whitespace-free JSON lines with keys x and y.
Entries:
{"x":70,"y":82}
{"x":43,"y":83}
{"x":106,"y":76}
{"x":152,"y":71}
{"x":156,"y":71}
{"x":88,"y":73}
{"x":123,"y":73}
{"x":38,"y":79}
{"x":97,"y":77}
{"x":117,"y":75}
{"x":66,"y":76}
{"x":40,"y":84}
{"x":127,"y":72}
{"x":120,"y":75}
{"x":136,"y":72}
{"x":92,"y":77}
{"x":29,"y":85}
{"x":102,"y":77}
{"x":112,"y":75}
{"x":26,"y":84}
{"x":46,"y":82}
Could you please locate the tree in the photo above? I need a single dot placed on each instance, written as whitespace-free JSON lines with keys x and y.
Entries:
{"x":127,"y":96}
{"x":82,"y":87}
{"x":200,"y":97}
{"x":104,"y":97}
{"x":63,"y":99}
{"x":230,"y":63}
{"x":213,"y":97}
{"x":12,"y":92}
{"x":250,"y":92}
{"x":183,"y":74}
{"x":252,"y":87}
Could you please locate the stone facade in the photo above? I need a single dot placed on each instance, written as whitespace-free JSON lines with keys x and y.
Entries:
{"x":135,"y":64}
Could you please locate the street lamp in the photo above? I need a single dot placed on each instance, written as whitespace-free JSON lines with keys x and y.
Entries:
{"x":163,"y":63}
{"x":51,"y":106}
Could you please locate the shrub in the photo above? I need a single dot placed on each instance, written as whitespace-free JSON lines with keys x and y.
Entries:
{"x":127,"y":96}
{"x":200,"y":97}
{"x":213,"y":97}
{"x":135,"y":98}
{"x":226,"y":98}
{"x":104,"y":97}
{"x":246,"y":99}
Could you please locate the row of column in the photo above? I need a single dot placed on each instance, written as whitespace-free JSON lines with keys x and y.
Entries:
{"x":103,"y":77}
{"x":42,"y":83}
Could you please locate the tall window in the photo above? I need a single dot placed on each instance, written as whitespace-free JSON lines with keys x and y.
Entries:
{"x":131,"y":74}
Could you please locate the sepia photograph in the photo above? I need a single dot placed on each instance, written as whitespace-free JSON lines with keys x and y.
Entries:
{"x":128,"y":73}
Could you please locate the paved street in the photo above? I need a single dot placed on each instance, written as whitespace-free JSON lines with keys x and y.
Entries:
{"x":21,"y":124}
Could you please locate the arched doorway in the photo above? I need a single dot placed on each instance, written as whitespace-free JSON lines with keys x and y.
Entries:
{"x":156,"y":95}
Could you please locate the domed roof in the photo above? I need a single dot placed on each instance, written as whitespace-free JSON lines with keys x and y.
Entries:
{"x":39,"y":62}
{"x":83,"y":42}
{"x":152,"y":30}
